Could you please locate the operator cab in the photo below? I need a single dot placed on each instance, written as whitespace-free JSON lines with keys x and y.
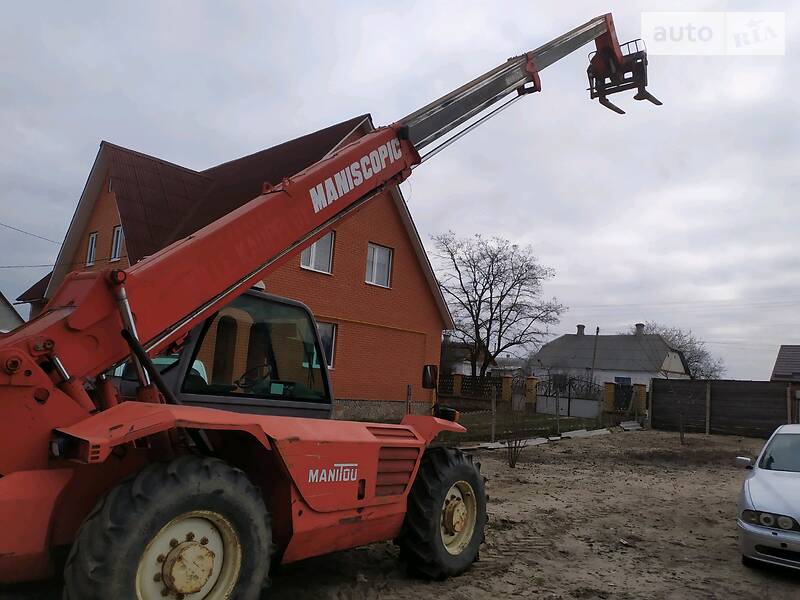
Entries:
{"x":260,"y":354}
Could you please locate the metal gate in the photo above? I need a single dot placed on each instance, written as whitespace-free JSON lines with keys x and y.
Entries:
{"x":574,"y":396}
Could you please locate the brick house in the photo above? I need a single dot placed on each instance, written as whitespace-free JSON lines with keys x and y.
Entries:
{"x":368,"y":282}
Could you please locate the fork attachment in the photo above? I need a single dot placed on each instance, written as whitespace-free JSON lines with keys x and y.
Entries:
{"x":616,"y":68}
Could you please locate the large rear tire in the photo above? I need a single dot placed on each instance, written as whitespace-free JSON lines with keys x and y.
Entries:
{"x":191,"y":528}
{"x":446,"y":515}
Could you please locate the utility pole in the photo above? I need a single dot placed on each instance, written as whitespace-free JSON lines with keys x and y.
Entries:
{"x":594,"y":352}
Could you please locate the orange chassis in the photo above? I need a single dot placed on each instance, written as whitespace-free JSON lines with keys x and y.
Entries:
{"x":329,"y":485}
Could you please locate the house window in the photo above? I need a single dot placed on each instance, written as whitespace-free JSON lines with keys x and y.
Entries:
{"x":327,"y":334}
{"x":319,"y":255}
{"x":116,"y":243}
{"x":379,"y":265}
{"x":91,"y":249}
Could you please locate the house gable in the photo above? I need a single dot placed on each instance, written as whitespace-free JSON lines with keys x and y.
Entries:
{"x":102,"y":220}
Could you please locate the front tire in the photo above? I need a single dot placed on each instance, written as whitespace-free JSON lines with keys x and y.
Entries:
{"x":192,"y":527}
{"x":446,"y":515}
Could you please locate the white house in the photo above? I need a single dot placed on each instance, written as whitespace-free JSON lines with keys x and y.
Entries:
{"x":625,"y":359}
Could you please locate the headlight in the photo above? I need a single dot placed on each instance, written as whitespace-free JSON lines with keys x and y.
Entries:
{"x":750,"y":516}
{"x":773,"y":521}
{"x":767,"y":520}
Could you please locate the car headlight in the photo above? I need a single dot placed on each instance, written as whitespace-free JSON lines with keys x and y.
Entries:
{"x":750,"y":516}
{"x":771,"y":520}
{"x":766,"y":519}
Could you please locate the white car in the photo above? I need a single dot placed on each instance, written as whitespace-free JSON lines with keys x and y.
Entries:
{"x":769,"y":504}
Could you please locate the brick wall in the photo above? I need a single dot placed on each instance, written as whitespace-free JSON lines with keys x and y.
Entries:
{"x":103,"y":219}
{"x":384,"y":336}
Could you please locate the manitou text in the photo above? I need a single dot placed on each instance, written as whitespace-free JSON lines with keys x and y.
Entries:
{"x":339,"y":472}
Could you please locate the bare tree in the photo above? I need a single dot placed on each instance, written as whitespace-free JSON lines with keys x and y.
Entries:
{"x":494,"y":290}
{"x":702,"y":364}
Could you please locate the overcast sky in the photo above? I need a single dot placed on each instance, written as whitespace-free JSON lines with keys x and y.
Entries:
{"x":686,"y":214}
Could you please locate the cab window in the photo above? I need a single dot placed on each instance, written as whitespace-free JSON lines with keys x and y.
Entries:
{"x":260,"y":348}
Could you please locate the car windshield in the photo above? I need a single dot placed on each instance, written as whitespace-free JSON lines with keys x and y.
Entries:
{"x":783,"y":453}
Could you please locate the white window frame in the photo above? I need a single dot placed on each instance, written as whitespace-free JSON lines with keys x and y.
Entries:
{"x":375,"y":263}
{"x":91,"y":249}
{"x":328,"y":359}
{"x":116,"y":244}
{"x":312,"y":251}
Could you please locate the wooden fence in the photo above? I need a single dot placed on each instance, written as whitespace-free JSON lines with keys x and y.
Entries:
{"x":747,"y":408}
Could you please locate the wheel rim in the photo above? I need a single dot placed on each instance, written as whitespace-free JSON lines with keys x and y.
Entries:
{"x":196,"y":556}
{"x":459,"y":515}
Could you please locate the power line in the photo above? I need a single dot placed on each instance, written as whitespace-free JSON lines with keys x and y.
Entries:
{"x":41,"y":237}
{"x":695,"y":303}
{"x":68,"y":264}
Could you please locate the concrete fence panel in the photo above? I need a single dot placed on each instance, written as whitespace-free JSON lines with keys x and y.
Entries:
{"x":747,"y":408}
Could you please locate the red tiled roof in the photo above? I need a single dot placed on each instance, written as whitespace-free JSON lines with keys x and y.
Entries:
{"x":160,"y":202}
{"x":153,"y":197}
{"x":237,"y":182}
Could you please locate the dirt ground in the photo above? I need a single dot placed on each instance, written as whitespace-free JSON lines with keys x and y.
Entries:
{"x":624,"y":516}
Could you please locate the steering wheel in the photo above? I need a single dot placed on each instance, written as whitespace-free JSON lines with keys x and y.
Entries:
{"x":247,"y":382}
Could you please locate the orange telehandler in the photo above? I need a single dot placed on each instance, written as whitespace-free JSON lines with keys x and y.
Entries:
{"x":150,"y":481}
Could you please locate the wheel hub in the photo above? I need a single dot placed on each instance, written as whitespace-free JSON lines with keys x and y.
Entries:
{"x":188,"y":567}
{"x":455,"y":516}
{"x":195,"y":556}
{"x":458,"y":518}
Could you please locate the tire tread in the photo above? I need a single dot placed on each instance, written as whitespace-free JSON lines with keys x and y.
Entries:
{"x":418,"y":548}
{"x":89,"y":572}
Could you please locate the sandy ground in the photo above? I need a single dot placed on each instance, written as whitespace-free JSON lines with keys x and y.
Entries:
{"x":629,"y":515}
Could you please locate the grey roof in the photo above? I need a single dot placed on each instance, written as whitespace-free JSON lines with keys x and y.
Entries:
{"x":787,"y":364}
{"x":614,"y":352}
